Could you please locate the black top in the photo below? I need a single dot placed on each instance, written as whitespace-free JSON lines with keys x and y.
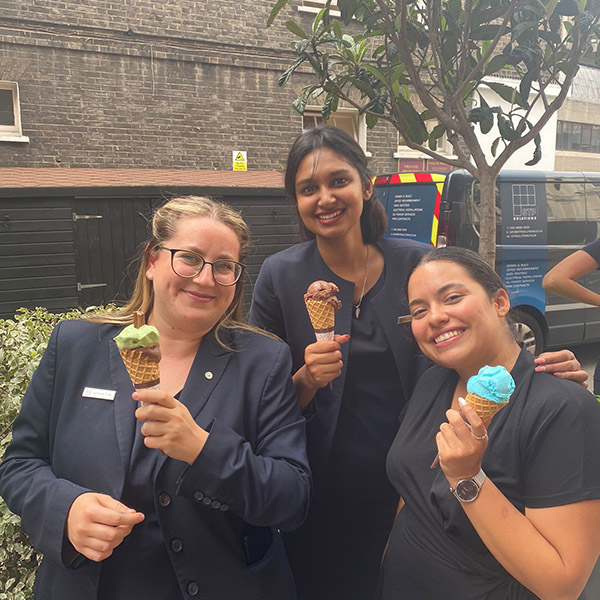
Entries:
{"x":362,"y":500}
{"x":335,"y":555}
{"x":142,"y":556}
{"x":593,"y":250}
{"x":543,"y":451}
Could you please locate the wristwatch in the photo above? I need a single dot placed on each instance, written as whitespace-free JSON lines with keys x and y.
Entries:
{"x":467,"y":490}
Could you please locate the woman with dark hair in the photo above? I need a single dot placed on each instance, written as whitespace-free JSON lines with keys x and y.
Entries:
{"x":115,"y":518}
{"x":512,"y":511}
{"x":352,"y":422}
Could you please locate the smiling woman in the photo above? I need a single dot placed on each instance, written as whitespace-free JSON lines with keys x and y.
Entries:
{"x":514,"y":510}
{"x":232,"y":470}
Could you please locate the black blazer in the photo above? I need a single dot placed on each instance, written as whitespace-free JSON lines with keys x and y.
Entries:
{"x":278,"y":306}
{"x":252,"y":473}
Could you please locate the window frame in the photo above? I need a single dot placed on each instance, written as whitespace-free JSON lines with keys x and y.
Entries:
{"x":315,"y":6}
{"x":359,"y":122}
{"x":13,"y":133}
{"x":575,"y":136}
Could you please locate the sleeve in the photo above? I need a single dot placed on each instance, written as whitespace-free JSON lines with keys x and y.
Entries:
{"x":27,"y":481}
{"x":265,"y":485}
{"x":562,"y":450}
{"x":265,"y":311}
{"x":593,"y":250}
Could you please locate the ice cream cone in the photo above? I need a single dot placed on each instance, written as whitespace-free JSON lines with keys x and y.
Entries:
{"x":485,"y":408}
{"x":322,"y":317}
{"x":142,"y":366}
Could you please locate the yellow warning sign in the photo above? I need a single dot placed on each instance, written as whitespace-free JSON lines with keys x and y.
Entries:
{"x":240,"y":160}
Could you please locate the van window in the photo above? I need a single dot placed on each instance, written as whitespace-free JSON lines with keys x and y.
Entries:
{"x":593,"y":211}
{"x":566,"y":213}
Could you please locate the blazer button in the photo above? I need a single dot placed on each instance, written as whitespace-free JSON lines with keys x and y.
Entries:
{"x":207,"y":501}
{"x":224,"y":507}
{"x":198,"y":496}
{"x":164,"y":499}
{"x":208,"y":375}
{"x":216,"y":504}
{"x":176,"y":545}
{"x":192,"y":588}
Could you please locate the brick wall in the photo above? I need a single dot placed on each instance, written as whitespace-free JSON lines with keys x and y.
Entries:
{"x":154,"y":84}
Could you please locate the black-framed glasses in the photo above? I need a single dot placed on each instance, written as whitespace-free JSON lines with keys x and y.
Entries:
{"x":188,"y":264}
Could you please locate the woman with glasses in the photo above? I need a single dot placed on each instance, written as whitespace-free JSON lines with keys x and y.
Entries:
{"x":174,"y":492}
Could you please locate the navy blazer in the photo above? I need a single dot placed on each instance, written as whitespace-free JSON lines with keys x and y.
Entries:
{"x":278,"y":306}
{"x":251,"y":477}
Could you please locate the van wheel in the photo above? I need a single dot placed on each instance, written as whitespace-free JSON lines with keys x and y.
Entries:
{"x":528,"y":331}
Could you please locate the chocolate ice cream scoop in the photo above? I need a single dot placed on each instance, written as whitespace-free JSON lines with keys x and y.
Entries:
{"x":323,"y":291}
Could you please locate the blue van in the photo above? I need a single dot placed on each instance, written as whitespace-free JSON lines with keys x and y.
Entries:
{"x":542,"y":217}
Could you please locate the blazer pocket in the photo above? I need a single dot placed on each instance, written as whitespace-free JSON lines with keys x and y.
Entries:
{"x":256,"y":544}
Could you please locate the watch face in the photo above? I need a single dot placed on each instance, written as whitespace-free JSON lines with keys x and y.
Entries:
{"x":467,"y":490}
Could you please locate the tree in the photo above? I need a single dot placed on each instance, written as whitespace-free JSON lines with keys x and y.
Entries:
{"x":445,"y":52}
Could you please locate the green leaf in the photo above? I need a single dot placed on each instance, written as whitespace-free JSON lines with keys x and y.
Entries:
{"x":537,"y":156}
{"x":454,"y":9}
{"x":319,"y":19}
{"x":412,"y":123}
{"x":550,"y":7}
{"x":378,"y":73}
{"x":299,"y":103}
{"x":497,"y":63}
{"x":290,"y":71}
{"x":511,"y":95}
{"x":567,"y":8}
{"x":278,"y":6}
{"x":522,"y":28}
{"x":494,"y":147}
{"x":436,"y":133}
{"x":507,"y":130}
{"x":485,"y":32}
{"x":371,"y":120}
{"x":525,"y":86}
{"x":295,"y":29}
{"x":336,"y":28}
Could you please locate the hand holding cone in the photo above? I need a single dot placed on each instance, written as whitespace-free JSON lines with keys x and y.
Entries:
{"x":487,"y":392}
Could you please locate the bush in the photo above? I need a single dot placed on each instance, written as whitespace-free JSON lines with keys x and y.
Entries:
{"x":22,"y":343}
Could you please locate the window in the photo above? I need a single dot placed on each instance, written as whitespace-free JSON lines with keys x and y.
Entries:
{"x":578,"y":137}
{"x":443,"y":147}
{"x":315,"y":6}
{"x":10,"y":113}
{"x":347,"y":119}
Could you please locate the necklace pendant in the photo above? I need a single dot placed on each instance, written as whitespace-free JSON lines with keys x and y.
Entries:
{"x":357,"y":311}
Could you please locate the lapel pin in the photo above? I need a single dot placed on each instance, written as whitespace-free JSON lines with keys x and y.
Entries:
{"x":208,"y":375}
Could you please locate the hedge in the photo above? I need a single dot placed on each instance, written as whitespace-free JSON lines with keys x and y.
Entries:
{"x":22,"y":343}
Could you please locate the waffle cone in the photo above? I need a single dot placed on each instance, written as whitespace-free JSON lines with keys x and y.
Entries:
{"x":144,"y":371}
{"x":485,"y":408}
{"x":322,"y":315}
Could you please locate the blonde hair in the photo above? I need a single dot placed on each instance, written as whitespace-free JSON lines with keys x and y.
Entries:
{"x":164,"y":224}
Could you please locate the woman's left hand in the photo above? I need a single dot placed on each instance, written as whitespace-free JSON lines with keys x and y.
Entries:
{"x":461,"y":446}
{"x":169,"y":426}
{"x":563,"y":364}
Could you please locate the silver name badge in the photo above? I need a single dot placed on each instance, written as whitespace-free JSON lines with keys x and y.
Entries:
{"x":99,"y":394}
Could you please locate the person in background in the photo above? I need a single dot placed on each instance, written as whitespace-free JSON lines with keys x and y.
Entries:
{"x":175,"y":492}
{"x":372,"y":365}
{"x":512,"y":511}
{"x":562,"y":280}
